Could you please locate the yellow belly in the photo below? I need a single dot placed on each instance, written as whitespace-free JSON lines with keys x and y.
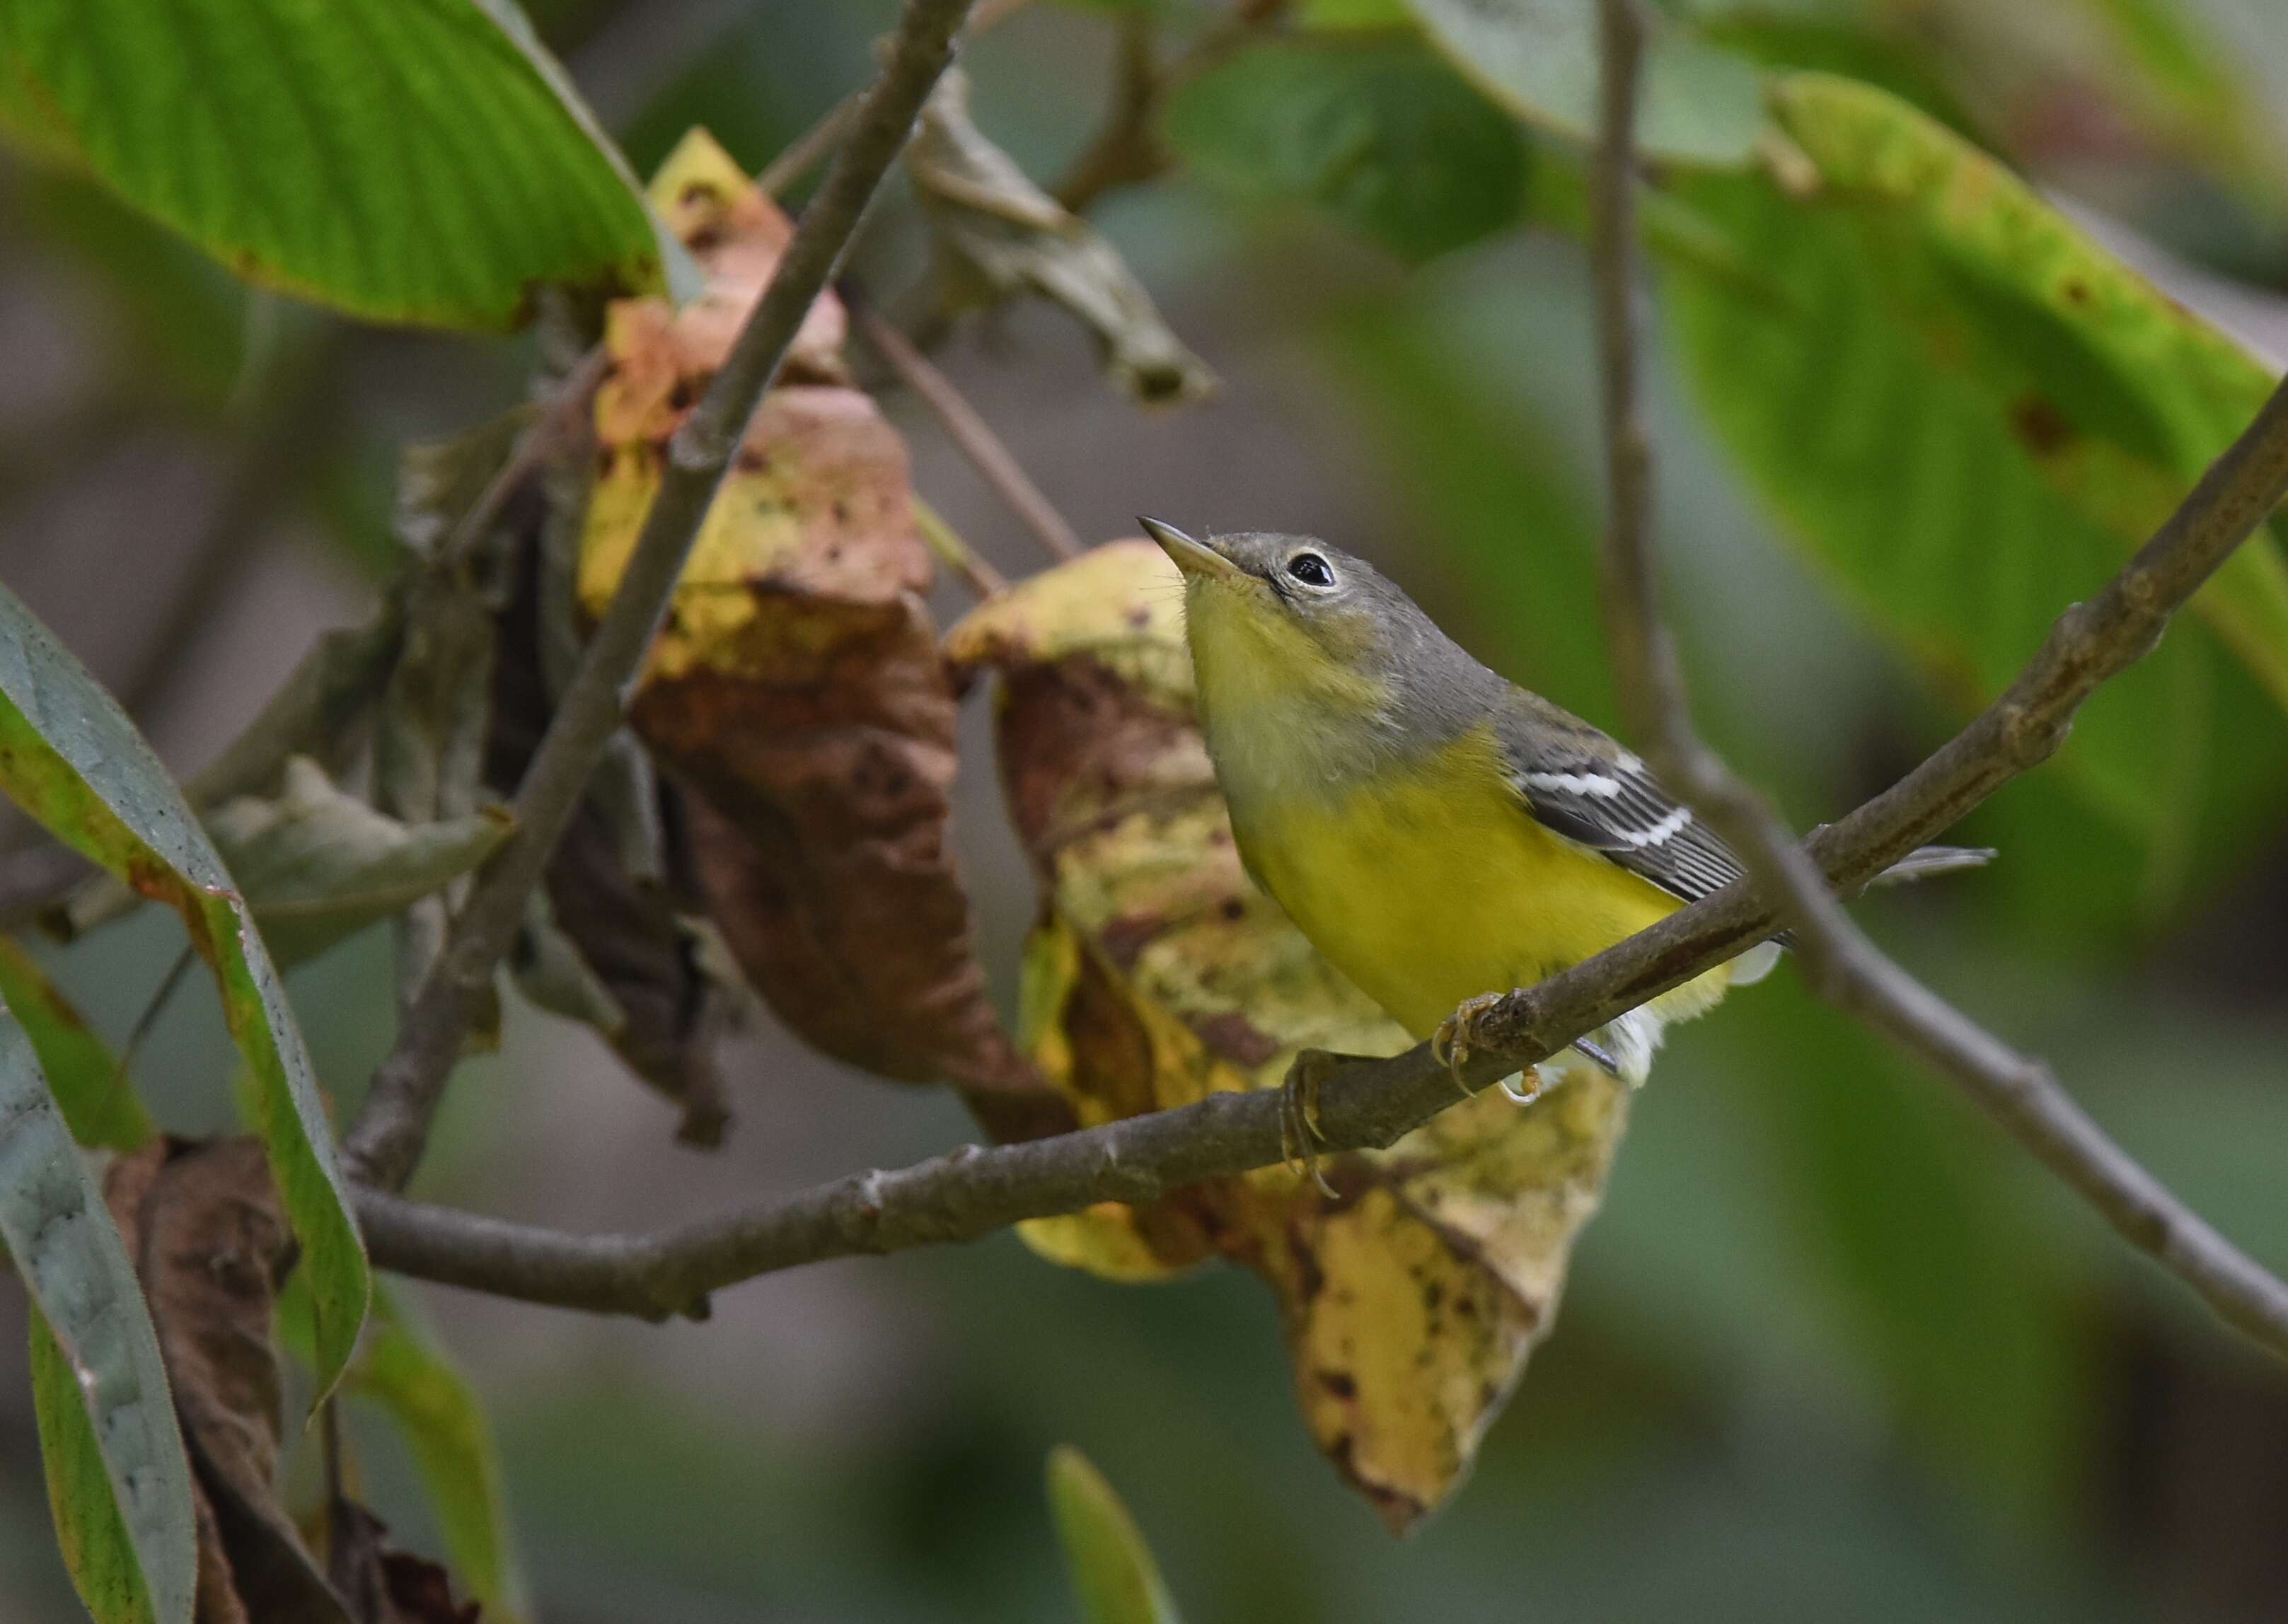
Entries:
{"x":1439,"y":887}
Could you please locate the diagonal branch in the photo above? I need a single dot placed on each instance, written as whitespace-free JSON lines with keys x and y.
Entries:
{"x":1843,"y":963}
{"x":386,"y":1141}
{"x":971,"y":1193}
{"x":1371,"y":1104}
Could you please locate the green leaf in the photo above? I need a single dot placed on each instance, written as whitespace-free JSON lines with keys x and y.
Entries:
{"x":71,"y":759}
{"x":118,"y":1481}
{"x":102,"y":1110}
{"x":1334,"y":14}
{"x":1112,"y":1571}
{"x":1376,"y":130}
{"x":417,"y":160}
{"x":317,"y":864}
{"x":1968,"y":413}
{"x":1539,"y":58}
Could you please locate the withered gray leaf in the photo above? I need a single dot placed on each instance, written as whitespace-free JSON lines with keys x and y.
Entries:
{"x":316,"y":863}
{"x":999,"y":235}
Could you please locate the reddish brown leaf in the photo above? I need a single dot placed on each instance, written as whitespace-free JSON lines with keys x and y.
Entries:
{"x":798,"y":690}
{"x":203,"y":1225}
{"x":387,"y":1585}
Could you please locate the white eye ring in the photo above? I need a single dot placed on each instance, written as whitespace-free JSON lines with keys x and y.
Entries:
{"x":1311,"y":570}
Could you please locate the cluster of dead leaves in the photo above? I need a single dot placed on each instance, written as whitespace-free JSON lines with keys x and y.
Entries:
{"x":796,"y":690}
{"x":203,"y":1223}
{"x":1159,"y":974}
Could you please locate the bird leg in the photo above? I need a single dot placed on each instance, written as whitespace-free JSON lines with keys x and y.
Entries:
{"x":1451,"y":1047}
{"x":1451,"y":1044}
{"x":1300,"y":1135}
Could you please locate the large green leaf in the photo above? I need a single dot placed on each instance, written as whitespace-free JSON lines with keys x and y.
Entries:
{"x":1968,"y":413}
{"x":1376,"y":129}
{"x":70,"y":757}
{"x":98,"y":1103}
{"x":118,"y":1480}
{"x":403,"y":160}
{"x":1539,"y":58}
{"x":1112,"y":1571}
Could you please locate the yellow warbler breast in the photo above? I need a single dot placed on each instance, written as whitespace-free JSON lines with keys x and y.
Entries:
{"x":1430,"y":883}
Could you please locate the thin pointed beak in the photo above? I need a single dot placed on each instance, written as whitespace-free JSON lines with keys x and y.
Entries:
{"x":1194,"y":559}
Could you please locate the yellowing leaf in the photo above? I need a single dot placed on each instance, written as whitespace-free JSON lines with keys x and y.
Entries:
{"x":1159,"y":974}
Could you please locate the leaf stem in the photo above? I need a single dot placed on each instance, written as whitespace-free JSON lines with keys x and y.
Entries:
{"x":967,"y":427}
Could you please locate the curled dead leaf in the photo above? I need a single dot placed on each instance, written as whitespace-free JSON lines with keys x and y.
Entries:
{"x":797,"y":691}
{"x":1411,"y":1297}
{"x":998,"y":235}
{"x":203,"y":1225}
{"x":316,"y":863}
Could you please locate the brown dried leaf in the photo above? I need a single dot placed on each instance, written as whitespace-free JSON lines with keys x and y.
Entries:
{"x":1412,"y":1296}
{"x":387,"y":1585}
{"x":999,"y":235}
{"x":203,"y":1225}
{"x":797,"y":689}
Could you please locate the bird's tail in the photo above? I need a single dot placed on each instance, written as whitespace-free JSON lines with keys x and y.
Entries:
{"x":1930,"y":861}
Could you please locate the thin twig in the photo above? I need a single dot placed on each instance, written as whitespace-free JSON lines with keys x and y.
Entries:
{"x":955,"y":554}
{"x":560,"y":417}
{"x":1843,"y":963}
{"x":968,"y":430}
{"x":386,"y":1141}
{"x":795,"y":159}
{"x":148,"y":1019}
{"x":1651,"y":678}
{"x":1371,"y":1104}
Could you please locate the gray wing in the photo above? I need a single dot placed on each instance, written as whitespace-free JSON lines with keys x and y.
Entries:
{"x":1579,"y":783}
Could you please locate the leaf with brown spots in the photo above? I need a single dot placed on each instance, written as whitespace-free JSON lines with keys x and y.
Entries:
{"x":1159,"y":974}
{"x":797,"y":688}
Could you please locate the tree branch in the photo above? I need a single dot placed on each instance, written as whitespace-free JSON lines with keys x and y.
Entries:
{"x":1843,"y":963}
{"x":967,"y":427}
{"x":386,"y":1143}
{"x":1371,"y":1104}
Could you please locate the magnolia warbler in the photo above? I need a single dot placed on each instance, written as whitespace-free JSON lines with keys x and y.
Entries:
{"x":1440,"y":835}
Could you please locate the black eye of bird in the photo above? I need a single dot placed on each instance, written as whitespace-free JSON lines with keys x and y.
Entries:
{"x":1310,"y":569}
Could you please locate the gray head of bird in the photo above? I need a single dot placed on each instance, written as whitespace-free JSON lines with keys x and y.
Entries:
{"x":1289,"y":626}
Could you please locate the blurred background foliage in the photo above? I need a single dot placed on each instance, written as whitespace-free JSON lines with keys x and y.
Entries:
{"x":1832,"y":1350}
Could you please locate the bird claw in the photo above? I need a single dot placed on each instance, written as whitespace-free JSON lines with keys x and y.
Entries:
{"x":1451,"y":1044}
{"x":1300,"y":1135}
